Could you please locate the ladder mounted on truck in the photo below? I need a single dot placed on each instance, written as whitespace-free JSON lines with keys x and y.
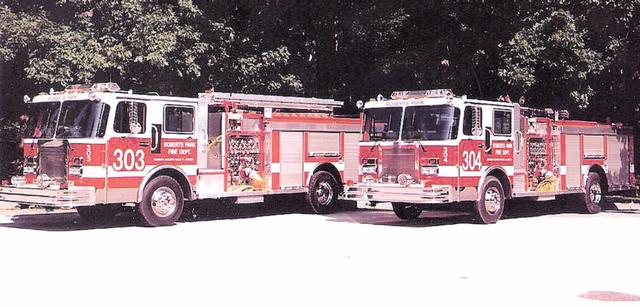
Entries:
{"x":271,"y":101}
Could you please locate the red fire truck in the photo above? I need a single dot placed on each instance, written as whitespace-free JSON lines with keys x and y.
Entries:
{"x":97,"y":148}
{"x":421,"y":149}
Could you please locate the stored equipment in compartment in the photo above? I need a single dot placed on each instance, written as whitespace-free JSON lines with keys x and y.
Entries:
{"x":243,"y":162}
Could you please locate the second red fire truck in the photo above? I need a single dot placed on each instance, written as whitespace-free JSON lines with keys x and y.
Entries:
{"x":97,"y":148}
{"x":422,"y":149}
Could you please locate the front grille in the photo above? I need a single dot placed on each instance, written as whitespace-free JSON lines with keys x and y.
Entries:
{"x":396,"y":161}
{"x":52,"y":159}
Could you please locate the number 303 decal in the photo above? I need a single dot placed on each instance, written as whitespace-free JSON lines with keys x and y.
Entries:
{"x":128,"y":160}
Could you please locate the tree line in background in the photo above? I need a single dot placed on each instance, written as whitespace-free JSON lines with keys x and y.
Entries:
{"x":570,"y":54}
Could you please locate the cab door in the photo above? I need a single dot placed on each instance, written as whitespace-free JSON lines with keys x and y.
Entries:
{"x":500,"y":145}
{"x":472,"y":150}
{"x":127,"y":151}
{"x":173,"y":139}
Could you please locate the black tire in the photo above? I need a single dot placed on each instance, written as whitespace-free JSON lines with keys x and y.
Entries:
{"x":323,"y":192}
{"x":489,"y":211}
{"x":406,"y":211}
{"x":98,"y":213}
{"x":167,"y":206}
{"x":593,"y":198}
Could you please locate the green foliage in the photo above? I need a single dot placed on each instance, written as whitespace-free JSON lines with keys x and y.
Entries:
{"x":17,"y":31}
{"x":580,"y":55}
{"x":11,"y":130}
{"x":130,"y":40}
{"x":550,"y":51}
{"x":262,"y":72}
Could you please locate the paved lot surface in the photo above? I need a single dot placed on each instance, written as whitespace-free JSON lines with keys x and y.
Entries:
{"x":278,"y":255}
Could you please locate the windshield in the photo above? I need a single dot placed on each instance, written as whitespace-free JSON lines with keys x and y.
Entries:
{"x":381,"y":124}
{"x":42,"y":119}
{"x":435,"y":123}
{"x":80,"y":119}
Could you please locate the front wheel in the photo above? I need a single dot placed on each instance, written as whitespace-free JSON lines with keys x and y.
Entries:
{"x":162,"y":202}
{"x":489,"y":208}
{"x":323,"y":192}
{"x":406,"y":212}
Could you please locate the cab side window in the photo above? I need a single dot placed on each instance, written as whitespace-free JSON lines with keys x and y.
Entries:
{"x":472,"y":124}
{"x":178,"y":119}
{"x":502,"y":122}
{"x":130,"y":117}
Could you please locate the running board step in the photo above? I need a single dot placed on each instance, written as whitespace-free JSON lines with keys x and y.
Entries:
{"x":249,"y":199}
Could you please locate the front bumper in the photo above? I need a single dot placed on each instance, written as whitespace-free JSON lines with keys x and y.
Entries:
{"x":33,"y":195}
{"x":416,"y":194}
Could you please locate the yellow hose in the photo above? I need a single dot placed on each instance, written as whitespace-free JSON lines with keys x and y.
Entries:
{"x":214,"y":142}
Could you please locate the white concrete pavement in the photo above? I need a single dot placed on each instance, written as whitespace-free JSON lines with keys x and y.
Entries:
{"x":282,"y":257}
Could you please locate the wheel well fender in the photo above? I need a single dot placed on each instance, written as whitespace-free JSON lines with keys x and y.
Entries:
{"x":600,"y":171}
{"x":327,"y":167}
{"x":501,"y":174}
{"x":172,"y":171}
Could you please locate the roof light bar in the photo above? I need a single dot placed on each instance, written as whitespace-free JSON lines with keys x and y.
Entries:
{"x":95,"y":87}
{"x":422,"y":94}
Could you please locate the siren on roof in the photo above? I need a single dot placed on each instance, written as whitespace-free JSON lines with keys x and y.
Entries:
{"x":422,"y":94}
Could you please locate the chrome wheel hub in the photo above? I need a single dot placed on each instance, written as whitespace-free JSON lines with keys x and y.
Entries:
{"x":492,"y":200}
{"x":595,"y":192}
{"x":324,"y":193}
{"x":163,"y":202}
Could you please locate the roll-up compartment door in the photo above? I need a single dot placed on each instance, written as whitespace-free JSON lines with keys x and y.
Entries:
{"x":351,"y":156}
{"x":291,"y":159}
{"x":324,"y":144}
{"x":618,"y":164}
{"x":572,"y":154}
{"x":593,"y":146}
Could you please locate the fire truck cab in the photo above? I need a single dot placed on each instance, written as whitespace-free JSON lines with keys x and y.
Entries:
{"x":97,"y":148}
{"x":426,"y":149}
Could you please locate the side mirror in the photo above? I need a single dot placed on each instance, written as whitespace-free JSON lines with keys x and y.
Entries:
{"x":487,"y":140}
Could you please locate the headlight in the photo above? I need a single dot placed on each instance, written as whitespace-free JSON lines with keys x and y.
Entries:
{"x":75,"y":169}
{"x":430,"y":170}
{"x":369,"y":169}
{"x":29,"y":169}
{"x":30,"y":166}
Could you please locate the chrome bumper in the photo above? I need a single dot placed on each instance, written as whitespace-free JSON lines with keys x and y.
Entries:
{"x":33,"y":195}
{"x":416,"y":194}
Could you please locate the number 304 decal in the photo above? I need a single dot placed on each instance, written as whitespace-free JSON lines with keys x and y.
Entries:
{"x":128,"y":160}
{"x":471,"y":161}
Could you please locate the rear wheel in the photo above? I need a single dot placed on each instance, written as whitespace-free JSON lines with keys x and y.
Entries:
{"x":323,"y":192}
{"x":162,"y":202}
{"x":594,"y":194}
{"x":98,"y":213}
{"x":405,"y":211}
{"x":489,"y":208}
